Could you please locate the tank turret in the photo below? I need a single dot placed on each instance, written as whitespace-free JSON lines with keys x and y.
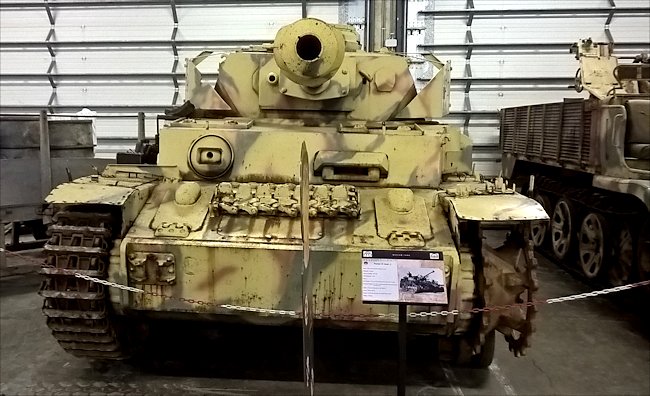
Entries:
{"x":316,"y":70}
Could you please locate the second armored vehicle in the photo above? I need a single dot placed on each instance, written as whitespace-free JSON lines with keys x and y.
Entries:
{"x":591,"y":162}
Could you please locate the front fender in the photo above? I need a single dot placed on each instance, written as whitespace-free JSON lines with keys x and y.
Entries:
{"x":128,"y":191}
{"x":497,"y":207}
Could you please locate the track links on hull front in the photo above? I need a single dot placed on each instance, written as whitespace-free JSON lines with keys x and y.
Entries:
{"x":77,"y":310}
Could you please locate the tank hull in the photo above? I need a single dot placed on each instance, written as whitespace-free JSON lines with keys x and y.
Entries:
{"x":256,"y":262}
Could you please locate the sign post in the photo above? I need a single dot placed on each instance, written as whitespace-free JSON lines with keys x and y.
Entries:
{"x":401,"y":342}
{"x":307,"y":277}
{"x":403,"y":278}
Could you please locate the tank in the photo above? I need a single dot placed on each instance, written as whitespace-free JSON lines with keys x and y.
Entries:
{"x":237,"y":223}
{"x":420,"y":284}
{"x":590,"y":159}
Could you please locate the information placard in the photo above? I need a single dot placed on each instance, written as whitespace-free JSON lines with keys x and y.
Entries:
{"x":409,"y":277}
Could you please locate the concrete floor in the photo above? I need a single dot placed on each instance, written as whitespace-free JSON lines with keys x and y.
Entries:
{"x":598,"y":346}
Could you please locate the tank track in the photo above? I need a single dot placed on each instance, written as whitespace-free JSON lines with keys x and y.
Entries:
{"x":78,"y":311}
{"x":604,"y":202}
{"x":617,"y":208}
{"x":475,"y":346}
{"x":466,"y":284}
{"x":519,"y":345}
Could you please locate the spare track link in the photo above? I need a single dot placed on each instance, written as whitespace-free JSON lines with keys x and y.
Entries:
{"x":78,"y":311}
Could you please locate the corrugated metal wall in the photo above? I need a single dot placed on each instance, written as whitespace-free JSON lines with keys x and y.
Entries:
{"x":119,"y":57}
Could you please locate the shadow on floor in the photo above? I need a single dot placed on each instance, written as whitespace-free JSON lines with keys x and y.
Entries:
{"x":20,"y":284}
{"x":272,"y":353}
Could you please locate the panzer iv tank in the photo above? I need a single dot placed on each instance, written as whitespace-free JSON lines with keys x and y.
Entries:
{"x":213,"y":229}
{"x":420,"y":284}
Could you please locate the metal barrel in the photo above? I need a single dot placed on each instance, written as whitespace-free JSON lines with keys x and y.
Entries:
{"x":309,"y":51}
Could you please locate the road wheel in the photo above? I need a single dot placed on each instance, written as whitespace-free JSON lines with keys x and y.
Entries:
{"x":623,"y":264}
{"x":539,"y":229}
{"x":562,"y":228}
{"x":484,"y":358}
{"x":464,"y":356}
{"x":592,"y":245}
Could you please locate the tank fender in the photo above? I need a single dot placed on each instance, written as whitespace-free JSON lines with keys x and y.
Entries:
{"x":497,"y":207}
{"x":127,"y":187}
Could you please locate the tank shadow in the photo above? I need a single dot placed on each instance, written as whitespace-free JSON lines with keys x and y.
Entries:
{"x":15,"y":285}
{"x":271,"y":353}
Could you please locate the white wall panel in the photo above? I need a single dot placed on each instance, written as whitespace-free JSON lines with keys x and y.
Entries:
{"x":631,"y":28}
{"x":113,"y":23}
{"x":515,"y":65}
{"x":23,"y":25}
{"x":327,"y":12}
{"x":485,"y":135}
{"x":490,"y":100}
{"x":532,"y":4}
{"x":115,"y":93}
{"x":24,"y":61}
{"x":631,"y":3}
{"x":27,"y":94}
{"x":116,"y":61}
{"x":447,"y":31}
{"x":531,"y":30}
{"x":124,"y":127}
{"x":234,"y":22}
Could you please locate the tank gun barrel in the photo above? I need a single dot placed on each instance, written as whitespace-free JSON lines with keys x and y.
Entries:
{"x":309,"y":51}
